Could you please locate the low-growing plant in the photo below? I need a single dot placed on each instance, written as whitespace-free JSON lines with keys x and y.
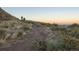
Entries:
{"x":40,"y":45}
{"x":2,"y":33}
{"x":19,"y":34}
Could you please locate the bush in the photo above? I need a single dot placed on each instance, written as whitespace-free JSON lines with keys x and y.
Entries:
{"x":40,"y":45}
{"x":19,"y":34}
{"x":2,"y":33}
{"x":25,"y":28}
{"x":5,"y":26}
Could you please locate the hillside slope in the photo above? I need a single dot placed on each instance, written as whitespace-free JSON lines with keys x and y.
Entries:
{"x":22,"y":35}
{"x":6,"y":16}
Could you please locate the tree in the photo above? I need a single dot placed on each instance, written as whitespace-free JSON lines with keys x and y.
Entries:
{"x":22,"y":18}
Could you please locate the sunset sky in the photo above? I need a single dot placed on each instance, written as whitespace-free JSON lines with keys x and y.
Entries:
{"x":60,"y":15}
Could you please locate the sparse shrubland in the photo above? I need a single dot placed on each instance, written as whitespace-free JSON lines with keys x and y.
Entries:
{"x":41,"y":37}
{"x":69,"y":39}
{"x":20,"y":34}
{"x":55,"y":37}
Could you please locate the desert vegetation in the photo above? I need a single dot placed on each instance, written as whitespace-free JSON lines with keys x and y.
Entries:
{"x":24,"y":35}
{"x":39,"y":36}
